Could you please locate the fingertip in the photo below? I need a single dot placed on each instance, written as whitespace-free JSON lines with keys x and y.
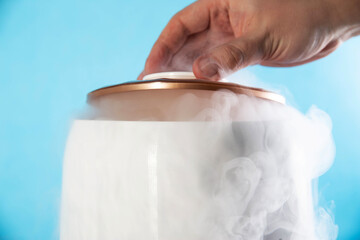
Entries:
{"x":206,"y":68}
{"x":157,"y":59}
{"x":141,"y":76}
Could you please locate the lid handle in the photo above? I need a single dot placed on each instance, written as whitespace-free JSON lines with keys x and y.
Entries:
{"x":170,"y":75}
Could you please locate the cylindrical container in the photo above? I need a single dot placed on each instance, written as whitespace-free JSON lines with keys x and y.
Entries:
{"x":175,"y":159}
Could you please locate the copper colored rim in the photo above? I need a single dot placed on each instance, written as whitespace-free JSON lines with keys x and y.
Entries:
{"x":161,"y":84}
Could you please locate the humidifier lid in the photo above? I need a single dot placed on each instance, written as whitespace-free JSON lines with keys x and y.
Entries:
{"x":182,"y":80}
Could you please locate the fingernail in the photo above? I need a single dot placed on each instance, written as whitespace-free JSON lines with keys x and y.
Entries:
{"x":209,"y":69}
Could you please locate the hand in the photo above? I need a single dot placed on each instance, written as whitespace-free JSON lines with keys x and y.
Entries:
{"x":217,"y":37}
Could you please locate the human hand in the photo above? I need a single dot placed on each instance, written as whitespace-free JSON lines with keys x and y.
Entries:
{"x":217,"y":37}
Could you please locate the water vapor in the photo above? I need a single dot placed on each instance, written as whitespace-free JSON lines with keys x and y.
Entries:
{"x":196,"y":165}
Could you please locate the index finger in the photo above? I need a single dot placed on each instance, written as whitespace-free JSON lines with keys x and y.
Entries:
{"x":192,"y":19}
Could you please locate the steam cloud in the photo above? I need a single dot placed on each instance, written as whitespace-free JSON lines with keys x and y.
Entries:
{"x":217,"y":166}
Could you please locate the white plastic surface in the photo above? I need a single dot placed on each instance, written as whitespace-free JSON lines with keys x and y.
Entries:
{"x":170,"y":75}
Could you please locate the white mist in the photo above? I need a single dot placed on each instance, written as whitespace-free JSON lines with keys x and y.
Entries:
{"x":241,"y":168}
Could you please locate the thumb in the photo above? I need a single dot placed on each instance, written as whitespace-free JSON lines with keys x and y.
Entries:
{"x":228,"y":58}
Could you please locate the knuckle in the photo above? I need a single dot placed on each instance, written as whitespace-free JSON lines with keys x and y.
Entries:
{"x":232,"y":57}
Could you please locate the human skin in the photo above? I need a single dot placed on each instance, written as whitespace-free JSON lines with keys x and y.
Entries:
{"x":214,"y":38}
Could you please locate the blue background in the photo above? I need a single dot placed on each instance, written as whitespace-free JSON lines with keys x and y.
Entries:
{"x":52,"y":53}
